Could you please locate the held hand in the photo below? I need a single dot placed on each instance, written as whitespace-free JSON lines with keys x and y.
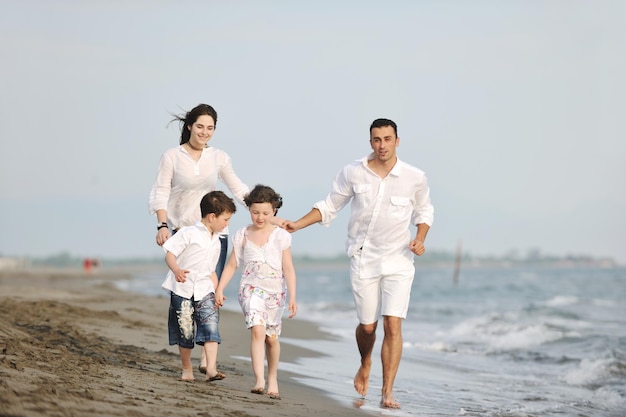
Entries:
{"x":289,"y":226}
{"x":293,"y":309}
{"x":162,"y":235}
{"x":417,"y":247}
{"x":278,"y":221}
{"x":181,"y":275}
{"x":219,"y":299}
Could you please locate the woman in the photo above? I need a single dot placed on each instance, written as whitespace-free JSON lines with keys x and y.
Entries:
{"x":186,"y":173}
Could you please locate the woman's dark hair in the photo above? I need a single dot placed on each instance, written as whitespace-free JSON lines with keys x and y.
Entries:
{"x":264,"y":194}
{"x":189,"y":118}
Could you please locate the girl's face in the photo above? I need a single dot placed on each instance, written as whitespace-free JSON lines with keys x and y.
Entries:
{"x":261,"y":213}
{"x":201,"y":131}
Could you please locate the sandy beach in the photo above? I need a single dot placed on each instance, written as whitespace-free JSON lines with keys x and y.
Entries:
{"x":71,"y":344}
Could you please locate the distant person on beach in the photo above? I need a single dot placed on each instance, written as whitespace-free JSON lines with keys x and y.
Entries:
{"x":268,"y":278}
{"x":191,"y":255}
{"x":186,"y":173}
{"x":387,"y":196}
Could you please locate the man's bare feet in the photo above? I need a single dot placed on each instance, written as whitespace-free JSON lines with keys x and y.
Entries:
{"x":361,"y":380}
{"x":389,"y":402}
{"x":358,"y":403}
{"x":187,"y":374}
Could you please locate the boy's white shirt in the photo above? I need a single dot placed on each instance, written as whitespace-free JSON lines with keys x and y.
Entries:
{"x":197,"y":251}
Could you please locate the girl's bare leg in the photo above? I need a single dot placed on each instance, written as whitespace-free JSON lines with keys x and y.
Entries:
{"x":273,"y":356}
{"x":257,"y":355}
{"x":203,"y":361}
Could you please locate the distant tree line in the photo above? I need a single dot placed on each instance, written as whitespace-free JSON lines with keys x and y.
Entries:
{"x":430,"y":258}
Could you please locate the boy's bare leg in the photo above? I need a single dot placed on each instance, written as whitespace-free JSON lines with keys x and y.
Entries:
{"x":365,"y":338}
{"x":185,"y":359}
{"x":390,"y":355}
{"x":273,"y":356}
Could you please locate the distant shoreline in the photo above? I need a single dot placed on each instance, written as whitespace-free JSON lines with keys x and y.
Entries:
{"x":436,"y":260}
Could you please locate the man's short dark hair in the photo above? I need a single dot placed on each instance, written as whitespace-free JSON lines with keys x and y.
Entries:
{"x":383,"y":123}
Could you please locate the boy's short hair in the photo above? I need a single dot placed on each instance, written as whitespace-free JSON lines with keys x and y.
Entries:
{"x":216,"y":202}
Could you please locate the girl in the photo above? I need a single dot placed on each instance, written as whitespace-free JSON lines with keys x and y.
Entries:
{"x":268,"y":276}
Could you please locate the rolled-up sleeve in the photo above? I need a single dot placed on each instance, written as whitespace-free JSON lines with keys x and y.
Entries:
{"x":337,"y":199}
{"x":423,"y":210}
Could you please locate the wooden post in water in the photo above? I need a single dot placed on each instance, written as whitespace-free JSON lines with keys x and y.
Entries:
{"x":457,"y":264}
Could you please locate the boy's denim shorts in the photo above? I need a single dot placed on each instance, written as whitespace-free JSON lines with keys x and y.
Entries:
{"x":192,"y":321}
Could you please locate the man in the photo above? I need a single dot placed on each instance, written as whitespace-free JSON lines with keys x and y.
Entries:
{"x":387,"y":196}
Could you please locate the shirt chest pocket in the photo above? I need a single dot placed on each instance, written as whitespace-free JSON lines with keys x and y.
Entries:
{"x":362,"y":194}
{"x":400,"y":207}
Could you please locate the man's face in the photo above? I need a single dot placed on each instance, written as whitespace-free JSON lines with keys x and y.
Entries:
{"x":384,"y":143}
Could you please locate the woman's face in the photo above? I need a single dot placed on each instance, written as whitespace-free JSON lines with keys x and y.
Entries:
{"x":201,"y":131}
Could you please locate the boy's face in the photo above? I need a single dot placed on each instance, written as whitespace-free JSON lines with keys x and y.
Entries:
{"x":218,"y":223}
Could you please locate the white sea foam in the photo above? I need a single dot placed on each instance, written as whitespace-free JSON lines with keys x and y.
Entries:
{"x":603,"y":302}
{"x":609,"y":397}
{"x":562,"y":300}
{"x":434,"y":346}
{"x":521,"y":336}
{"x":589,"y":371}
{"x":503,"y":332}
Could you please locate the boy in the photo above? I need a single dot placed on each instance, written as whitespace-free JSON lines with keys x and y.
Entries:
{"x":191,"y":255}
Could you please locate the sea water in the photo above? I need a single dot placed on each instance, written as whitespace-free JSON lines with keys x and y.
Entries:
{"x":516,"y":342}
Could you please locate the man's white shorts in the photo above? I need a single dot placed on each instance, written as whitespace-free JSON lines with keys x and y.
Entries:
{"x":386,"y":295}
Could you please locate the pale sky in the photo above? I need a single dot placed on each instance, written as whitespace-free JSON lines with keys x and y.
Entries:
{"x":514,"y":109}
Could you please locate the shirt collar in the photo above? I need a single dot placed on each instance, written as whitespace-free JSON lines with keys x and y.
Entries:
{"x":181,"y":148}
{"x":203,"y":228}
{"x":395,"y":171}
